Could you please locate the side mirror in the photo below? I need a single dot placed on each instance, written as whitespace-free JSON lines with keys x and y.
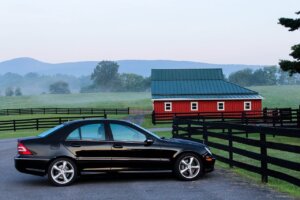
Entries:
{"x":149,"y":141}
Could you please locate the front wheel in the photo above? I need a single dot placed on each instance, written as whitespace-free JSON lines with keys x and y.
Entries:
{"x":62,"y":172}
{"x":188,"y":167}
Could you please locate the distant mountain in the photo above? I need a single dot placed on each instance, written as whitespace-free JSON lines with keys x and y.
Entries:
{"x":143,"y":67}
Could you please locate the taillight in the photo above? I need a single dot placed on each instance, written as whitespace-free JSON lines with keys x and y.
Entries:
{"x":22,"y":149}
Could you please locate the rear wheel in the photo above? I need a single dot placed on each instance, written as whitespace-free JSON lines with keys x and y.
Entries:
{"x":62,"y":172}
{"x":188,"y":167}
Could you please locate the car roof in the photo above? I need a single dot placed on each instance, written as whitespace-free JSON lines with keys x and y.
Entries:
{"x":94,"y":120}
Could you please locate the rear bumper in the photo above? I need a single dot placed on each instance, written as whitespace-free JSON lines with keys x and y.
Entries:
{"x":30,"y":165}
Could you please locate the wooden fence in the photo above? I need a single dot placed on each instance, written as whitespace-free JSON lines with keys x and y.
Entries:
{"x":65,"y":111}
{"x":39,"y":123}
{"x":230,"y":134}
{"x":274,"y":116}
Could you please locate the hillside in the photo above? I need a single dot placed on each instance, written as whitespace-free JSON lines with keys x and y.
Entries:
{"x":141,"y":67}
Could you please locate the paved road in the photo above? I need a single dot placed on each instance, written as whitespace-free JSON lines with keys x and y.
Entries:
{"x":218,"y":185}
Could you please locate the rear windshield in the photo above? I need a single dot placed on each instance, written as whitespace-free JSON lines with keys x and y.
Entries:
{"x":51,"y":130}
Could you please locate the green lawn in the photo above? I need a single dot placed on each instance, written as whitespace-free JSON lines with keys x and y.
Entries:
{"x":279,"y":96}
{"x":98,"y":100}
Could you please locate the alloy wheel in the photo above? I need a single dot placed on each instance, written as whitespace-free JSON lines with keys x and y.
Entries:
{"x":62,"y":172}
{"x":189,"y":167}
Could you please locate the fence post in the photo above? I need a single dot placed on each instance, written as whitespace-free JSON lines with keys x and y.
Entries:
{"x":205,"y":136}
{"x":92,"y":111}
{"x":189,"y":129}
{"x":128,"y":111}
{"x":116,"y":111}
{"x":7,"y":113}
{"x":59,"y":120}
{"x":243,"y":117}
{"x":37,"y":124}
{"x":153,"y":118}
{"x":263,"y":153}
{"x":56,"y":110}
{"x":265,"y":110}
{"x":280,"y":118}
{"x":31,"y":111}
{"x":44,"y":110}
{"x":230,"y":147}
{"x":105,"y":115}
{"x":80,"y":111}
{"x":14,"y":125}
{"x":298,"y":117}
{"x":19,"y":111}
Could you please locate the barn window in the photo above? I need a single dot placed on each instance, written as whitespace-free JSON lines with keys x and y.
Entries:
{"x":168,"y":106}
{"x":194,"y":106}
{"x":221,"y":106}
{"x":247,"y":105}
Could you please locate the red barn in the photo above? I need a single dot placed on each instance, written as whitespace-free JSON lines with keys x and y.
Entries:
{"x":199,"y":90}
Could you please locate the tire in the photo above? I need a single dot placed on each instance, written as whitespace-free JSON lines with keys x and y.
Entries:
{"x":62,"y":172}
{"x":188,"y":167}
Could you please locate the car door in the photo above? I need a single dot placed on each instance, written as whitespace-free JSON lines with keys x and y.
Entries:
{"x":130,"y":151}
{"x":89,"y":143}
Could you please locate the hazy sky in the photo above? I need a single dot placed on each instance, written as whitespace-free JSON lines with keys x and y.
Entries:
{"x":215,"y":31}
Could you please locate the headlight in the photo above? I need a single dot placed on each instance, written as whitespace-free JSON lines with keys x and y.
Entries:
{"x":207,"y":149}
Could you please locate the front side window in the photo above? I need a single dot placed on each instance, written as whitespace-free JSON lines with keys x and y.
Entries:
{"x":247,"y":105}
{"x":194,"y":106}
{"x":168,"y":106}
{"x":221,"y":106}
{"x":88,"y":132}
{"x":126,"y":133}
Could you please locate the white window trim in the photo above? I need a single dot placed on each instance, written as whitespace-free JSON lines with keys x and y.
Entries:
{"x":194,"y":102}
{"x":221,"y":102}
{"x":165,"y":106}
{"x":250,"y":105}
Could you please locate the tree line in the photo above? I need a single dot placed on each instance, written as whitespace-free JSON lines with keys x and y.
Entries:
{"x":264,"y":76}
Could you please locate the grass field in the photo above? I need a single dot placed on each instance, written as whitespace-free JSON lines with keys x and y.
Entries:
{"x":275,"y":96}
{"x":96,"y":100}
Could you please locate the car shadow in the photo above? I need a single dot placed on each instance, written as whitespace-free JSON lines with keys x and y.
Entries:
{"x":115,"y":177}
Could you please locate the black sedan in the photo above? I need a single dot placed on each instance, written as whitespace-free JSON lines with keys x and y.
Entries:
{"x":99,"y":145}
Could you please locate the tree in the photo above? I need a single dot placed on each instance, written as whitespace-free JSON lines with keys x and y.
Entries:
{"x":59,"y":87}
{"x":133,"y":82}
{"x":242,"y":77}
{"x":9,"y":92}
{"x":18,"y":91}
{"x":106,"y":76}
{"x":286,"y":65}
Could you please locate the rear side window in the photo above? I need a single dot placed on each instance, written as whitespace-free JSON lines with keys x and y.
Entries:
{"x":88,"y":132}
{"x":126,"y":133}
{"x":48,"y":132}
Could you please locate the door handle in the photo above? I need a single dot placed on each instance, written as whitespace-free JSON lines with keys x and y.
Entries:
{"x":117,"y":146}
{"x":75,"y":145}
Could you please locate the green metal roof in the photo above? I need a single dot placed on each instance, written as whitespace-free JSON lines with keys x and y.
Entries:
{"x":196,"y":83}
{"x":185,"y":74}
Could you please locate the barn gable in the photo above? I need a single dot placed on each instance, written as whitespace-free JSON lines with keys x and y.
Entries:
{"x":196,"y":84}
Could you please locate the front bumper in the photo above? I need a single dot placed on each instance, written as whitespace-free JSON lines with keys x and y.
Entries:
{"x":31,"y":165}
{"x":209,"y":163}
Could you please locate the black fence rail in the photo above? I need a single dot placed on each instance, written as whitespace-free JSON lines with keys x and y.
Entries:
{"x":273,"y":116}
{"x":64,"y":111}
{"x":40,"y":123}
{"x":211,"y":133}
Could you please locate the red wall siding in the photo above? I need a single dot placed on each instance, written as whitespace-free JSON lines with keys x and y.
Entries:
{"x":206,"y":106}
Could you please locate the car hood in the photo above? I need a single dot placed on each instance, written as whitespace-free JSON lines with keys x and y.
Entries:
{"x":184,"y":142}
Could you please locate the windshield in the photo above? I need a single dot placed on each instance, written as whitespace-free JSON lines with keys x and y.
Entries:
{"x":51,"y":130}
{"x":154,"y":135}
